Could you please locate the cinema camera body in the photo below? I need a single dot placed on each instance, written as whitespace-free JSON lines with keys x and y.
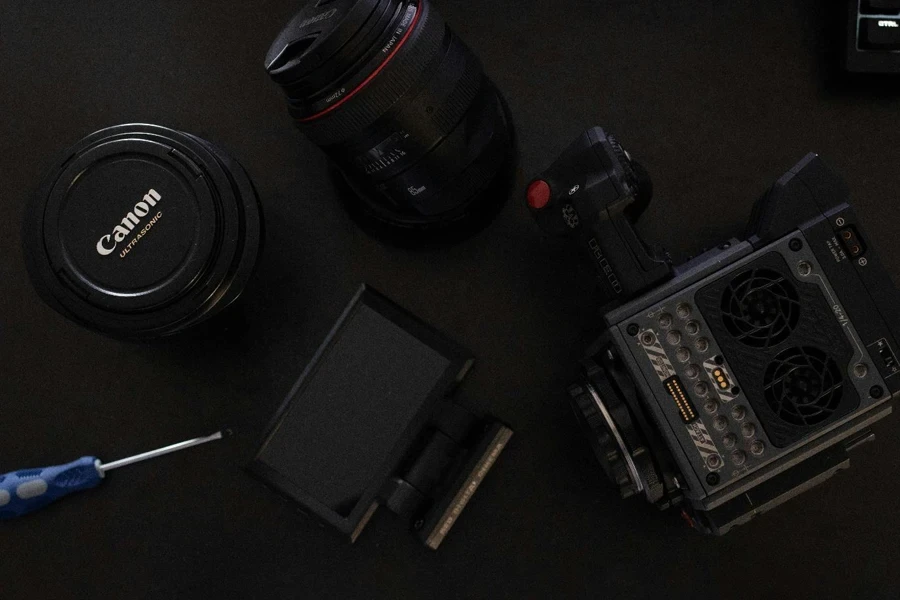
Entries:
{"x":729,"y":384}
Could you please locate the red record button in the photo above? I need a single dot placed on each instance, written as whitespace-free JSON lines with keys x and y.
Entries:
{"x":538,"y":194}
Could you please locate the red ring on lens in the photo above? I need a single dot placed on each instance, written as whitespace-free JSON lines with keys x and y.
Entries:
{"x":367,"y":80}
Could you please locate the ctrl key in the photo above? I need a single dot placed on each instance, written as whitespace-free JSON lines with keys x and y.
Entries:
{"x":879,"y":34}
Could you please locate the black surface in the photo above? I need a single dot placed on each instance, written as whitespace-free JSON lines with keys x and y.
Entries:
{"x":715,"y":99}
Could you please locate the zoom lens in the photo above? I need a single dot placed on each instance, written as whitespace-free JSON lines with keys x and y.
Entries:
{"x":402,"y":107}
{"x":141,"y":231}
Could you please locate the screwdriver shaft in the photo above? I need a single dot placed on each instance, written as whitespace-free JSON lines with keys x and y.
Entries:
{"x":159,"y":452}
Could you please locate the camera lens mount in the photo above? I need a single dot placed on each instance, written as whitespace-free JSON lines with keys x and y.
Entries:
{"x":621,"y":450}
{"x":606,"y":440}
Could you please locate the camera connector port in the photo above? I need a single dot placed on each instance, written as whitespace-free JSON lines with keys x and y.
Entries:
{"x":682,"y":400}
{"x":851,"y":242}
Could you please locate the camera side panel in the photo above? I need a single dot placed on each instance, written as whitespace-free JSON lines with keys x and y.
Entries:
{"x":737,"y":410}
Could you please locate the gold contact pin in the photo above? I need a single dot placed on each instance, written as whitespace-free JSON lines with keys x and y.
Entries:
{"x":673,"y":386}
{"x":721,"y":379}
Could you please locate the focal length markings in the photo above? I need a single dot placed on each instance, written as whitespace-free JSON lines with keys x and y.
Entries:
{"x":383,"y":155}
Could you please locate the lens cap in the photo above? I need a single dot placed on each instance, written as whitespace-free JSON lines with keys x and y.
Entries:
{"x":141,"y":231}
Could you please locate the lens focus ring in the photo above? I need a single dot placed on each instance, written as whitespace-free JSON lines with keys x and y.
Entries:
{"x":458,"y":101}
{"x":405,"y":70}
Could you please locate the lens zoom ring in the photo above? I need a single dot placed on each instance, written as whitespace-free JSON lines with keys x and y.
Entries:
{"x":454,"y":107}
{"x":476,"y":176}
{"x":406,"y":69}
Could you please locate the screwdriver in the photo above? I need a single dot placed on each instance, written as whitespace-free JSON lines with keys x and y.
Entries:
{"x":28,"y":490}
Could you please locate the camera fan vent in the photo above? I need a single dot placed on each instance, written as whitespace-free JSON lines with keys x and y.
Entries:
{"x":760,"y":307}
{"x":803,"y":386}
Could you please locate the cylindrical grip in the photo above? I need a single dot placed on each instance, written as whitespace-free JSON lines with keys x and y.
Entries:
{"x":28,"y":490}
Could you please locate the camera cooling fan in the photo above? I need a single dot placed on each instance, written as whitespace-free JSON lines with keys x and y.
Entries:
{"x":785,"y":347}
{"x":760,"y":307}
{"x":803,"y":386}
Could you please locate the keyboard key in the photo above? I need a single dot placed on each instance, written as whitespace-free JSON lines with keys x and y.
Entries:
{"x":879,"y":34}
{"x":880,"y":7}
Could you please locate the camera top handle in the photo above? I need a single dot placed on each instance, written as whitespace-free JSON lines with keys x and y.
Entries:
{"x":595,"y":193}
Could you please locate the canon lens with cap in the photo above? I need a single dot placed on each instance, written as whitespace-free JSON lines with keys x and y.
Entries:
{"x":404,"y":109}
{"x":141,"y":231}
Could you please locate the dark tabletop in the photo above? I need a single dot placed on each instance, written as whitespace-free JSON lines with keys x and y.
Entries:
{"x":716,"y":98}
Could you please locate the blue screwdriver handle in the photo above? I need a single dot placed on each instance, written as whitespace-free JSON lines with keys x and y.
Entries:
{"x":28,"y":490}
